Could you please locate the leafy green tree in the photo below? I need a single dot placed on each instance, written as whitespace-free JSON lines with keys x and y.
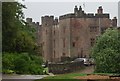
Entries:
{"x":18,"y":38}
{"x":106,"y":52}
{"x":11,"y":22}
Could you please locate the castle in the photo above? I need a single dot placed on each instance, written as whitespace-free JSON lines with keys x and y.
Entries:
{"x":73,"y":34}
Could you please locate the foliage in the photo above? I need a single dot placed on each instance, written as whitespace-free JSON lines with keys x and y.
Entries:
{"x":18,"y":42}
{"x":22,"y":63}
{"x":18,"y":36}
{"x":106,"y":52}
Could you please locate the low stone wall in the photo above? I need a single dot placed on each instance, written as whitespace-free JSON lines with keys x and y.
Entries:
{"x":59,"y":68}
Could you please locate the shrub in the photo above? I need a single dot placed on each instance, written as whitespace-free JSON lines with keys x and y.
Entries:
{"x":22,"y":63}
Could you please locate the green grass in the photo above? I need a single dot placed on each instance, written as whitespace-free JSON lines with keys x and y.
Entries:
{"x":65,"y":76}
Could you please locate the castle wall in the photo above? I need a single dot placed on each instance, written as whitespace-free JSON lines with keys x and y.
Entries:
{"x":64,"y":41}
{"x":84,"y":32}
{"x":47,"y":24}
{"x":74,"y":35}
{"x":55,"y":39}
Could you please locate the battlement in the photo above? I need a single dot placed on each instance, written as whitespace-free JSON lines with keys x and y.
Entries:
{"x":49,"y":20}
{"x":81,"y":14}
{"x":72,"y":15}
{"x":29,"y":20}
{"x":89,"y":15}
{"x":102,"y":15}
{"x":47,"y":17}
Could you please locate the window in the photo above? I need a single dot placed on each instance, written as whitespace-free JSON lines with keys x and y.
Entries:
{"x":93,"y":29}
{"x":54,"y":32}
{"x":73,"y":44}
{"x":92,"y":41}
{"x":63,"y":54}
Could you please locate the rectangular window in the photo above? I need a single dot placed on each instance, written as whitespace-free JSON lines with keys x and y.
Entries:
{"x":73,"y":44}
{"x":54,"y":32}
{"x":92,"y":41}
{"x":63,"y":54}
{"x":93,"y":29}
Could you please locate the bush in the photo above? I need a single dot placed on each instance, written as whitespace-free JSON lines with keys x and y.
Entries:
{"x":22,"y":63}
{"x":106,"y":52}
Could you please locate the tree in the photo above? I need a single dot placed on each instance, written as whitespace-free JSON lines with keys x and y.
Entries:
{"x":11,"y":22}
{"x":19,"y":46}
{"x":17,"y":35}
{"x":106,"y":52}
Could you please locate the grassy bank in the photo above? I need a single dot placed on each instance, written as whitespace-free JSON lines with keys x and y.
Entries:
{"x":63,"y":77}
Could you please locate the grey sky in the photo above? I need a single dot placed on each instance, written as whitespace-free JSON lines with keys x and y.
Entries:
{"x":37,"y":9}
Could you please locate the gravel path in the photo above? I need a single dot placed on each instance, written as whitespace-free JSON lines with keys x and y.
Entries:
{"x":22,"y":77}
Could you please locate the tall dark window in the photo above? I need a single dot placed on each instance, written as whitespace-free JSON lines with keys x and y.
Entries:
{"x":92,"y":41}
{"x":63,"y":54}
{"x":54,"y":32}
{"x":73,"y":44}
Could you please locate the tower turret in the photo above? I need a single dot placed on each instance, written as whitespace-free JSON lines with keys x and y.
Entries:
{"x":80,"y":8}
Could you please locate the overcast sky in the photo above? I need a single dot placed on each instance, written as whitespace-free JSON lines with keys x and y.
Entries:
{"x":37,"y":9}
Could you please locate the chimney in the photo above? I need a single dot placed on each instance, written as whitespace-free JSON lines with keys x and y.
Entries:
{"x":100,"y":10}
{"x":75,"y":10}
{"x":114,"y":22}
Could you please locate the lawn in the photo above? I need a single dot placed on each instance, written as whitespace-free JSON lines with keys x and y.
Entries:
{"x":63,"y":77}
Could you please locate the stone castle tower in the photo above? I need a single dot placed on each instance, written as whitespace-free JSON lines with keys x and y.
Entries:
{"x":72,"y":35}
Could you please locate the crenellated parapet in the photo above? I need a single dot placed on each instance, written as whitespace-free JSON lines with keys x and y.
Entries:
{"x":49,"y":20}
{"x":79,"y":13}
{"x":31,"y":23}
